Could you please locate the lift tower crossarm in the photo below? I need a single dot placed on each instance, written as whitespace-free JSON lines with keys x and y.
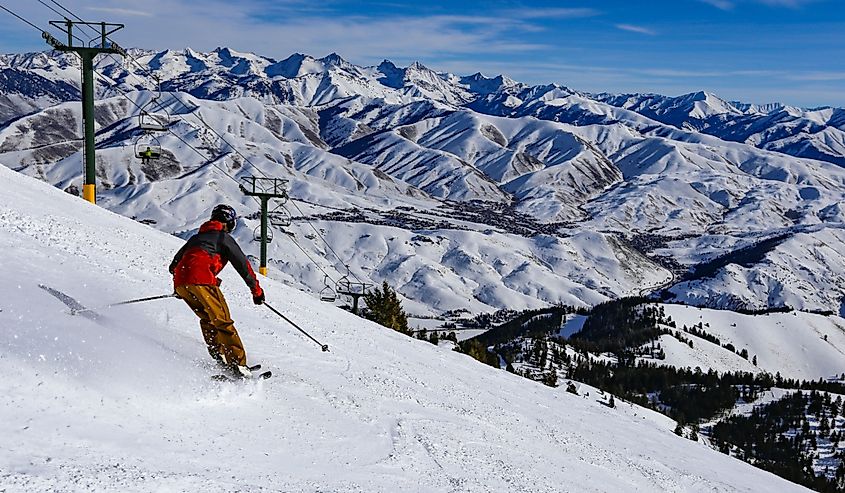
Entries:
{"x":87,"y":54}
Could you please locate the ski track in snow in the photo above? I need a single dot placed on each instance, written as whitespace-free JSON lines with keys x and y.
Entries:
{"x":128,"y":405}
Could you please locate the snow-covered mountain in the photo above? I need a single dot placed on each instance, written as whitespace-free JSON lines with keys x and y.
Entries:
{"x":814,"y":134}
{"x":122,"y":401}
{"x":464,"y":192}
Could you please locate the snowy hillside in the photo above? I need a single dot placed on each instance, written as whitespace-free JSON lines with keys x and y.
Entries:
{"x":796,"y":345}
{"x":463,"y":192}
{"x":125,"y":403}
{"x":734,"y":381}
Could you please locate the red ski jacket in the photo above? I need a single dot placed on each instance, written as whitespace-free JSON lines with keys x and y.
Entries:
{"x":206,"y":253}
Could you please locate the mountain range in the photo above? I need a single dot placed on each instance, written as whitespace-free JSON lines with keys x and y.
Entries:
{"x":464,"y":192}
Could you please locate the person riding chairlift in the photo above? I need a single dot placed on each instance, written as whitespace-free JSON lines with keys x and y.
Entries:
{"x":146,"y":156}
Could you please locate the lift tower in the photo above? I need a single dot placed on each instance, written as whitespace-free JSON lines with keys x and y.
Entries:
{"x":100,"y":45}
{"x":264,"y":189}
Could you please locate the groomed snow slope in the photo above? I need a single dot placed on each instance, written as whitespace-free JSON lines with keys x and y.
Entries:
{"x":126,"y":403}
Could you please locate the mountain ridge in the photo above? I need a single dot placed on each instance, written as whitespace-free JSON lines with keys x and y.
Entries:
{"x":488,"y":164}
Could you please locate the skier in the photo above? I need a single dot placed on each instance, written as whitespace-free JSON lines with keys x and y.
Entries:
{"x":195,"y":268}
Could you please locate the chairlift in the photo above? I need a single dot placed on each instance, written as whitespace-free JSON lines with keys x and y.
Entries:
{"x":279,"y":217}
{"x":351,"y":289}
{"x":153,"y":122}
{"x":256,"y":234}
{"x":153,"y":117}
{"x":348,"y":287}
{"x":343,"y":284}
{"x":147,"y":147}
{"x":327,"y":294}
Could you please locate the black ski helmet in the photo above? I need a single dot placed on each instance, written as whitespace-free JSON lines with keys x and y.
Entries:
{"x":226,"y":215}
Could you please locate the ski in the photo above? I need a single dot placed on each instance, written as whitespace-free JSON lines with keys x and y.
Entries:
{"x":70,"y":302}
{"x":220,"y":377}
{"x":223,"y":377}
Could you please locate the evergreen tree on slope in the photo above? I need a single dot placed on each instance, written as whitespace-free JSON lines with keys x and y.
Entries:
{"x":384,"y":307}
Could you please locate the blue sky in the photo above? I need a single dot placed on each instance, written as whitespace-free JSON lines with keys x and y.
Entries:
{"x":792,"y":51}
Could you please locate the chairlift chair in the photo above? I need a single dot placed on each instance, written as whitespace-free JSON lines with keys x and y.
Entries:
{"x":343,"y":284}
{"x":147,"y":147}
{"x":153,"y":117}
{"x":153,"y":122}
{"x":256,"y":234}
{"x":279,"y":217}
{"x":351,"y":289}
{"x":327,"y":293}
{"x":348,"y":287}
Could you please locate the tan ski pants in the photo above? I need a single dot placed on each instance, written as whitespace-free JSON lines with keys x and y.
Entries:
{"x":217,"y":326}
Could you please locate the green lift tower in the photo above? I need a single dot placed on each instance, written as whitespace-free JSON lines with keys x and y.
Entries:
{"x":100,"y":45}
{"x":265,"y":189}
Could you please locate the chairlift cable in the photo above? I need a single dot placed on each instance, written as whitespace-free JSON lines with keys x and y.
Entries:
{"x":69,"y":12}
{"x":323,"y":238}
{"x":22,"y":19}
{"x":149,"y":73}
{"x":179,"y":137}
{"x":126,"y":96}
{"x":63,"y":15}
{"x":311,"y":259}
{"x":247,"y":160}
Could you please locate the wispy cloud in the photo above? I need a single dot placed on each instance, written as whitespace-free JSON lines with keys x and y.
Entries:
{"x":731,"y":4}
{"x":693,"y":74}
{"x":636,"y":29}
{"x":818,"y":76}
{"x":793,"y":4}
{"x":277,"y":28}
{"x":552,"y":13}
{"x":121,"y":11}
{"x":720,"y":4}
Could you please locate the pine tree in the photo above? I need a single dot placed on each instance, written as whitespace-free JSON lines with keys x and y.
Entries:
{"x":384,"y":307}
{"x":694,"y":433}
{"x":434,"y":338}
{"x":477,"y":350}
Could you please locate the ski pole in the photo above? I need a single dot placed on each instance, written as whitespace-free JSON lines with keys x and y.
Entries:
{"x":324,"y":347}
{"x":127,"y":302}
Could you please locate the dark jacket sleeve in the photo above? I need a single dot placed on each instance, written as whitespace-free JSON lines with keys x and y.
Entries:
{"x":233,"y":253}
{"x":178,"y":257}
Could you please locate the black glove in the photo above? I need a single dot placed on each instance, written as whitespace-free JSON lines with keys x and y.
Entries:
{"x":258,"y":300}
